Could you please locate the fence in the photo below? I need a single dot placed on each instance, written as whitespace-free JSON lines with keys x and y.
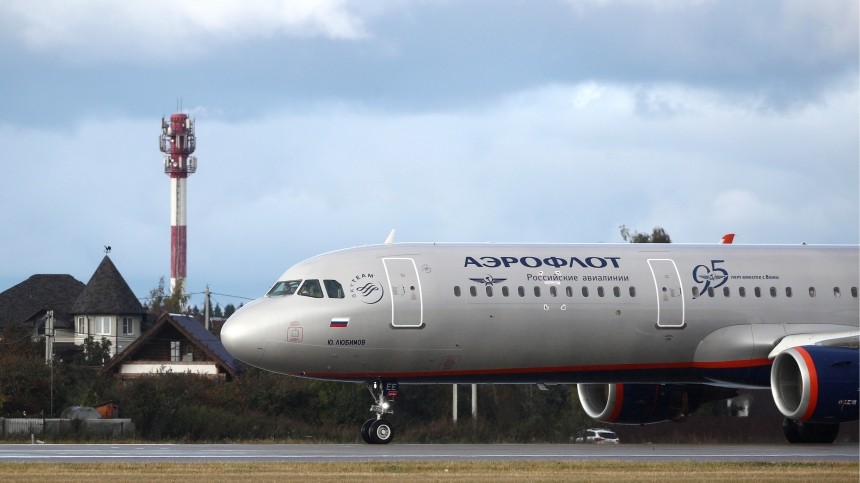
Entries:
{"x":110,"y":428}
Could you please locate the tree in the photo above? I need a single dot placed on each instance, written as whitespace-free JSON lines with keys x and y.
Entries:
{"x":658,"y":235}
{"x":216,"y":312}
{"x":229,"y":309}
{"x":95,"y":353}
{"x":160,"y":302}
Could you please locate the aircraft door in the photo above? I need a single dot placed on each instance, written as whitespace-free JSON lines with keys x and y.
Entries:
{"x":407,"y":310}
{"x":670,"y":293}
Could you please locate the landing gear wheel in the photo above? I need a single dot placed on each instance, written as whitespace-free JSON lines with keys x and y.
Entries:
{"x":810,"y":433}
{"x":819,"y":433}
{"x":365,"y":431}
{"x":381,"y":431}
{"x":791,"y":431}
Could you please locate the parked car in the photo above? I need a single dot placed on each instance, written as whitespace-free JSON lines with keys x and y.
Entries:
{"x":596,"y":436}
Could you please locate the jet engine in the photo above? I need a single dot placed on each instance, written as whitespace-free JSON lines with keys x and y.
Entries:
{"x":816,"y":384}
{"x":646,"y":403}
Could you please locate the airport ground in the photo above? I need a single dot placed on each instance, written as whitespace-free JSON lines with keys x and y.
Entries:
{"x":445,"y":462}
{"x":435,"y":471}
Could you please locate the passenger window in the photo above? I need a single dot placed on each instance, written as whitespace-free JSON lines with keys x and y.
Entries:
{"x":569,"y":291}
{"x":812,"y":291}
{"x":773,"y":291}
{"x":742,"y":291}
{"x":710,"y":291}
{"x":473,"y":291}
{"x":632,"y":291}
{"x":284,"y":287}
{"x":854,"y":292}
{"x":489,"y":290}
{"x":456,"y":290}
{"x":836,"y":292}
{"x":537,"y":291}
{"x":585,"y":291}
{"x":600,"y":291}
{"x":726,"y":292}
{"x":788,"y":291}
{"x":505,"y":291}
{"x":616,"y":291}
{"x":553,"y":291}
{"x":695,"y":292}
{"x":521,"y":291}
{"x":333,"y":288}
{"x":757,"y":291}
{"x":311,"y":288}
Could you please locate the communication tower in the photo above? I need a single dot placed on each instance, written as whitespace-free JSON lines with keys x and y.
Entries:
{"x":177,"y":142}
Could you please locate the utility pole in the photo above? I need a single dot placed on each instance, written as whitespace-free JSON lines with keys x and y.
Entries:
{"x":49,"y":351}
{"x":206,"y":308}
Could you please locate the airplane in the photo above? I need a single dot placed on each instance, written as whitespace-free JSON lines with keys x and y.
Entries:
{"x":648,"y":332}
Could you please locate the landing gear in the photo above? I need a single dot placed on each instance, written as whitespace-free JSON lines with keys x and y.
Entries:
{"x":809,"y":433}
{"x":379,"y":430}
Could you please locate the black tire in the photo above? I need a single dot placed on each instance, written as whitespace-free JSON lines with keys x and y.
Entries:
{"x":791,"y":431}
{"x":818,"y":433}
{"x":365,"y":431}
{"x":381,"y":431}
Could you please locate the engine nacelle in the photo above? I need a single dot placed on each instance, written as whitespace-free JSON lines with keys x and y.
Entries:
{"x":816,"y":384}
{"x":646,"y":403}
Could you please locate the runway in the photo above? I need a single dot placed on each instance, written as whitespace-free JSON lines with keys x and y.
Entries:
{"x":88,"y":453}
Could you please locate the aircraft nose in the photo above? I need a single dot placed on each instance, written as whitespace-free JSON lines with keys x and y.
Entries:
{"x":241,"y":335}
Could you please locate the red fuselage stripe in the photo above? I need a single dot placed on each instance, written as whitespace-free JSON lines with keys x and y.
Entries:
{"x":544,"y":370}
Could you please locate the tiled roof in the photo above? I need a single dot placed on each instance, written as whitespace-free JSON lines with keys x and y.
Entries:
{"x":37,"y":294}
{"x":194,"y":331}
{"x":107,"y":293}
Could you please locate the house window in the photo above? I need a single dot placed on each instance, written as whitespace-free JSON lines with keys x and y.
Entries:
{"x":127,"y":326}
{"x":82,"y":325}
{"x":103,"y":325}
{"x":174,"y":351}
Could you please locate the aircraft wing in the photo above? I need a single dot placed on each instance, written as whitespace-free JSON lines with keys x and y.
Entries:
{"x":849,"y":339}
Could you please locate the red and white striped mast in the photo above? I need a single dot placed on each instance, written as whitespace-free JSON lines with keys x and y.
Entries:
{"x":177,"y":142}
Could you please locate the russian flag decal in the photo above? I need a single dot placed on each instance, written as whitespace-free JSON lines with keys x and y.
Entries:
{"x":339,"y":323}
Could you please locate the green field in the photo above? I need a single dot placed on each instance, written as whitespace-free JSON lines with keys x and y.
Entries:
{"x":432,"y":471}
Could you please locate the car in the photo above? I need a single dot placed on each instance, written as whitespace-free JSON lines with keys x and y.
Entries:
{"x":596,"y":436}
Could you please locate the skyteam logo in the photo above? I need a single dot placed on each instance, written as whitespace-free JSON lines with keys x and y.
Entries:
{"x":365,"y":288}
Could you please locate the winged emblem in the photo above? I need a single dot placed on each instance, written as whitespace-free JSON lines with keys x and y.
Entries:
{"x":488,"y":280}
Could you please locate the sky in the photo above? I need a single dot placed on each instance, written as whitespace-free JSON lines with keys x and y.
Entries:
{"x":325,"y":124}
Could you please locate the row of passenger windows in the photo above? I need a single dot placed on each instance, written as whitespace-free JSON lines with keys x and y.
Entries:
{"x":554,"y":291}
{"x":310,"y":288}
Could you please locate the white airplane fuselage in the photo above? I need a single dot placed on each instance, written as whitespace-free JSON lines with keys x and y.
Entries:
{"x":499,"y":313}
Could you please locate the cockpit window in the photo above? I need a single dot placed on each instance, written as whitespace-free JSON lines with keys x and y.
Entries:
{"x":284,"y":287}
{"x":311,"y":288}
{"x":334,"y":289}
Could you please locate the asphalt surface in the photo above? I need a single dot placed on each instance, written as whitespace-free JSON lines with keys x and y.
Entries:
{"x":87,"y":453}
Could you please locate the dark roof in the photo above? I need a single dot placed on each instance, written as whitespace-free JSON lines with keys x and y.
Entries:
{"x":107,"y":293}
{"x":191,"y":329}
{"x":37,"y":295}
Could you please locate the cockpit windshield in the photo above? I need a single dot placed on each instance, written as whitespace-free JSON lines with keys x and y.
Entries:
{"x":284,"y":287}
{"x":311,"y":288}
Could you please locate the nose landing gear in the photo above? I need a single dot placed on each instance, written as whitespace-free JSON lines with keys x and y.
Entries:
{"x":379,"y":430}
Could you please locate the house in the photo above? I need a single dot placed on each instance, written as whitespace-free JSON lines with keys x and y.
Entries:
{"x":28,"y":303}
{"x":107,"y":308}
{"x":175,"y":343}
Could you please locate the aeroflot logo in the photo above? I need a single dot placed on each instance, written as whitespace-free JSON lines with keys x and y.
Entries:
{"x":534,"y":262}
{"x":365,"y":288}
